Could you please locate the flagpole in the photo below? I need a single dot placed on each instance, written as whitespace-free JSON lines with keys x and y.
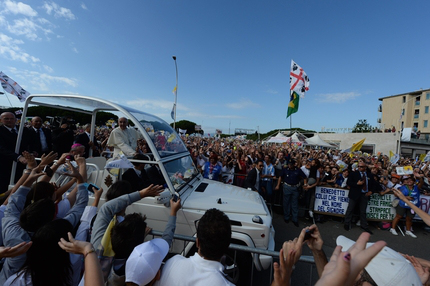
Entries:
{"x":291,"y":123}
{"x":6,"y":97}
{"x":176,"y":93}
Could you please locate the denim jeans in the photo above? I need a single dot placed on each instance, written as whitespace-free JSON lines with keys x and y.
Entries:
{"x":291,"y":202}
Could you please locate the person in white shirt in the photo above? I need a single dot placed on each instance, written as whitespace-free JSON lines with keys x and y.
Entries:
{"x":124,"y":139}
{"x":204,"y":267}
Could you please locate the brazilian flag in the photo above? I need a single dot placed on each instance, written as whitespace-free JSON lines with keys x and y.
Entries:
{"x":293,"y":106}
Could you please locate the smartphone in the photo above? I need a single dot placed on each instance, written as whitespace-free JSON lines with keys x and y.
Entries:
{"x":175,"y":197}
{"x":48,"y":171}
{"x":90,"y":188}
{"x":308,"y":234}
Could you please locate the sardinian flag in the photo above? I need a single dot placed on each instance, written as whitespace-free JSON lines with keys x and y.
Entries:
{"x":182,"y":132}
{"x":12,"y":87}
{"x":299,"y":81}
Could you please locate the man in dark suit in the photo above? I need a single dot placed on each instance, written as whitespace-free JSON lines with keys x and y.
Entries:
{"x":84,"y":139}
{"x":40,"y":138}
{"x":361,"y":183}
{"x":8,"y":136}
{"x":137,"y":176}
{"x":253,"y":180}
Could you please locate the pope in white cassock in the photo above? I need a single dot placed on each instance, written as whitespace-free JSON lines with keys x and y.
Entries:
{"x":124,"y":139}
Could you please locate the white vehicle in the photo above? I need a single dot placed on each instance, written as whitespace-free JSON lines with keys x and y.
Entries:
{"x":250,"y":218}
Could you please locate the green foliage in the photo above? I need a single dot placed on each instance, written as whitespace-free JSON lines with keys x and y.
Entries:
{"x":187,"y":125}
{"x":362,"y":126}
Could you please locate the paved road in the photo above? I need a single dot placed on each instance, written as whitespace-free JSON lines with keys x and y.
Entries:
{"x":305,"y":274}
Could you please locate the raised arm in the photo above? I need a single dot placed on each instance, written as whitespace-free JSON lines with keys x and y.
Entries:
{"x":422,"y":214}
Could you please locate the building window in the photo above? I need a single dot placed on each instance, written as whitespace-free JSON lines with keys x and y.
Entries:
{"x":403,"y":111}
{"x":426,"y":109}
{"x":417,"y":114}
{"x":427,"y":95}
{"x":417,"y":100}
{"x":404,"y":99}
{"x":425,"y":123}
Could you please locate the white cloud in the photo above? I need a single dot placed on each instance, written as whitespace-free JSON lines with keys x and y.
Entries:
{"x":243,"y":103}
{"x":19,"y":8}
{"x":83,"y":6}
{"x":337,"y":97}
{"x":24,"y":27}
{"x":206,"y":115}
{"x":9,"y":49}
{"x":155,"y":104}
{"x":42,"y":81}
{"x":75,"y":50}
{"x":271,"y":91}
{"x":48,"y":68}
{"x":57,"y":11}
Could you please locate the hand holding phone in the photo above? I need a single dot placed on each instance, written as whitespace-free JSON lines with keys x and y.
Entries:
{"x":90,"y":188}
{"x":308,"y":234}
{"x":48,"y":171}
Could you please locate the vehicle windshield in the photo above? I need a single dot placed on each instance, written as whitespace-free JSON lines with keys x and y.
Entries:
{"x":181,"y":171}
{"x":165,"y":139}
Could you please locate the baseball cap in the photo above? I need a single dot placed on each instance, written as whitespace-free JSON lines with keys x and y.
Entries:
{"x":388,"y":267}
{"x":144,"y":262}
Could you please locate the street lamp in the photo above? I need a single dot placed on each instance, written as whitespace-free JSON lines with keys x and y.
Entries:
{"x":176,"y":93}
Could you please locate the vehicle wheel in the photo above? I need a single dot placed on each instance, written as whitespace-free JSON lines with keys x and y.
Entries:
{"x":239,"y":271}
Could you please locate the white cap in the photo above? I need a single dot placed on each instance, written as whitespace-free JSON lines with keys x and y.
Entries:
{"x":388,"y":267}
{"x":144,"y":262}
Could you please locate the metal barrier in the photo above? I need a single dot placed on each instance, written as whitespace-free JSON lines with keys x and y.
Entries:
{"x":241,"y":248}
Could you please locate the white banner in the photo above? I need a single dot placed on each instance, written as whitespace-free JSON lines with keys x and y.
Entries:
{"x":335,"y":201}
{"x":13,"y":87}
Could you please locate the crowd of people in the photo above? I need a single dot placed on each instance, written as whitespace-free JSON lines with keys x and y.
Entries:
{"x":51,"y":239}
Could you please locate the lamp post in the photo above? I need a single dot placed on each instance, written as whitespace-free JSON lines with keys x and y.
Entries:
{"x":176,"y":93}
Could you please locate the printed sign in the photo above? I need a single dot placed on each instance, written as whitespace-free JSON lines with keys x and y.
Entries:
{"x":333,"y":201}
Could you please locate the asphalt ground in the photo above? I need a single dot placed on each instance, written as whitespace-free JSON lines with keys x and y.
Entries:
{"x":306,"y":274}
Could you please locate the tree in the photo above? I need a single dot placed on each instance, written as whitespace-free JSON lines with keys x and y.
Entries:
{"x":362,"y":126}
{"x":187,"y":125}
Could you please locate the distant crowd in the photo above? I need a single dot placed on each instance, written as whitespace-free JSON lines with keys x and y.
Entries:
{"x":51,"y":239}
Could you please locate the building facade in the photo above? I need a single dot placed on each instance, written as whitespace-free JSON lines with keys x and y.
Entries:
{"x":407,"y":110}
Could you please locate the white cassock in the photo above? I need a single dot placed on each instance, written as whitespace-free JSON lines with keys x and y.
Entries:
{"x":124,"y":140}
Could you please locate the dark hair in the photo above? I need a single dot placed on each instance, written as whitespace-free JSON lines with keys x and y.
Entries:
{"x":118,"y":189}
{"x":37,"y":214}
{"x":128,"y":234}
{"x":47,"y":263}
{"x":140,"y":157}
{"x":40,"y":190}
{"x":214,"y":234}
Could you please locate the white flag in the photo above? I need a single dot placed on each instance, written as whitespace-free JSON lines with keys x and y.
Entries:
{"x":173,"y":112}
{"x":13,"y":87}
{"x":299,"y":81}
{"x":182,"y":131}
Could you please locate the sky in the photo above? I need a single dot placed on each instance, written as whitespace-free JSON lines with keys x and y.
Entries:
{"x":233,"y":57}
